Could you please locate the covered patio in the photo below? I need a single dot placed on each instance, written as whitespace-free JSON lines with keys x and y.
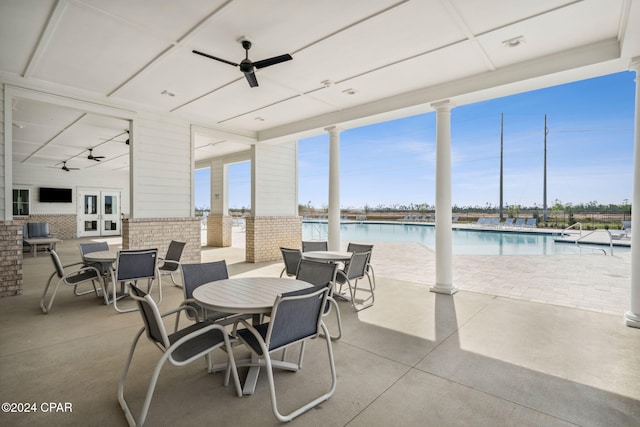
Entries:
{"x":499,"y":341}
{"x":415,"y":358}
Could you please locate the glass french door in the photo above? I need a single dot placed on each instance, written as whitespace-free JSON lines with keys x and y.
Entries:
{"x":98,"y":213}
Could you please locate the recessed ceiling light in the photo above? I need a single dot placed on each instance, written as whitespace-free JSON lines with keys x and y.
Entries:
{"x":350,"y":91}
{"x":260,"y":119}
{"x":514,"y":42}
{"x":167,"y":93}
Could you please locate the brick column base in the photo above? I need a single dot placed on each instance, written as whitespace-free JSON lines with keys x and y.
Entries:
{"x":140,"y":233}
{"x":266,"y":234}
{"x":10,"y":258}
{"x":219,"y":231}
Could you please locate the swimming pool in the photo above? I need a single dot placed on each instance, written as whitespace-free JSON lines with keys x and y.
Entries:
{"x":465,"y":241}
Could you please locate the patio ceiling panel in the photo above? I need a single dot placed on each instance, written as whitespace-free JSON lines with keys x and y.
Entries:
{"x":556,"y":31}
{"x":487,"y":15}
{"x":20,"y":27}
{"x":184,"y":75}
{"x":207,"y":147}
{"x":426,"y":70}
{"x":168,"y":19}
{"x":298,"y":108}
{"x":397,"y":35}
{"x":86,"y":51}
{"x":236,"y":99}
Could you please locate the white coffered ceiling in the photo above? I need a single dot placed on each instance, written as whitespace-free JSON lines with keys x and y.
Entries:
{"x":354,"y":62}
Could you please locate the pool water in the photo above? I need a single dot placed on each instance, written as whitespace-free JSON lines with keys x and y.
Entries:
{"x":465,"y":241}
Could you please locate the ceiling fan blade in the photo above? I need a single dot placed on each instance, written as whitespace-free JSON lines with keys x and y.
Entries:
{"x":214,"y":57}
{"x":272,"y":61}
{"x":251,"y":78}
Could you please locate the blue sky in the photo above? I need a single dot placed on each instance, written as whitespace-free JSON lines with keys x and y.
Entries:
{"x":589,"y":153}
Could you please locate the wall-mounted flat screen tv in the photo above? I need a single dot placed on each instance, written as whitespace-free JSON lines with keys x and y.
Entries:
{"x":55,"y":195}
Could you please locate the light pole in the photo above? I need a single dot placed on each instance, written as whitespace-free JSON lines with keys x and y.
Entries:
{"x":544,"y":192}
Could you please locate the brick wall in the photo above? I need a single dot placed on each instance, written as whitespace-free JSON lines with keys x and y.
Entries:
{"x":60,"y":226}
{"x":10,"y":258}
{"x":219,"y":231}
{"x":266,"y":234}
{"x":142,"y":233}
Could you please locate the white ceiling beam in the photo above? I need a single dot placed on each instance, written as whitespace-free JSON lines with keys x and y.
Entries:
{"x":45,"y":38}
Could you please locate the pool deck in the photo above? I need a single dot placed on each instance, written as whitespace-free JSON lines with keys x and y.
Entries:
{"x":587,"y":280}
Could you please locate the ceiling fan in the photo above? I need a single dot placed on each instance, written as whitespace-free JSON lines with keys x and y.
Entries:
{"x":246,"y":66}
{"x":92,"y":157}
{"x":67,"y":169}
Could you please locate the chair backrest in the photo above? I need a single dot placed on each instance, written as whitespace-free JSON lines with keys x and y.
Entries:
{"x":194,"y":275}
{"x":626,"y":225}
{"x":314,"y":245}
{"x":291,"y":259}
{"x":296,"y":316}
{"x":87,"y":248}
{"x":38,"y":229}
{"x":174,"y":253}
{"x":150,"y":316}
{"x":317,"y":273}
{"x":57,"y":263}
{"x":357,"y":266}
{"x":358,"y":247}
{"x":134,"y":264}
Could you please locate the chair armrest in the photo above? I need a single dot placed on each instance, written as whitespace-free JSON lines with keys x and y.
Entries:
{"x":182,"y":307}
{"x":75,"y":263}
{"x":245,"y":324}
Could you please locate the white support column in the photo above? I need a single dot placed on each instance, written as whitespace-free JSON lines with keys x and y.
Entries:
{"x":334,"y":189}
{"x":444,"y":248}
{"x":632,"y":317}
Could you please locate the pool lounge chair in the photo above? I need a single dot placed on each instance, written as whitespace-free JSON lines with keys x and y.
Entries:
{"x":626,"y":227}
{"x":531,"y":223}
{"x":519,"y":222}
{"x":508,"y":222}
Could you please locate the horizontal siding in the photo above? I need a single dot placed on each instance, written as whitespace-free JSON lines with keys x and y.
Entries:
{"x":275,"y":180}
{"x":162,"y":169}
{"x":2,"y":159}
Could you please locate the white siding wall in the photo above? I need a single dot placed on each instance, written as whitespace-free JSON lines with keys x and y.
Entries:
{"x":274,"y":180}
{"x":2,"y":159}
{"x":161,"y":179}
{"x":32,"y":178}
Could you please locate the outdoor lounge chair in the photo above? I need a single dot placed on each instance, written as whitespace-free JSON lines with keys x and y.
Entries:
{"x":76,"y":277}
{"x":519,"y":222}
{"x":508,"y":222}
{"x":179,"y":348}
{"x":291,"y":258}
{"x":531,"y":223}
{"x":171,"y":261}
{"x":296,"y":317}
{"x":356,"y":269}
{"x":322,"y":273}
{"x":626,"y":227}
{"x":357,"y":247}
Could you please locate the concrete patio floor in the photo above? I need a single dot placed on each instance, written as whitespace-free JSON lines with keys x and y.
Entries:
{"x":527,"y":341}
